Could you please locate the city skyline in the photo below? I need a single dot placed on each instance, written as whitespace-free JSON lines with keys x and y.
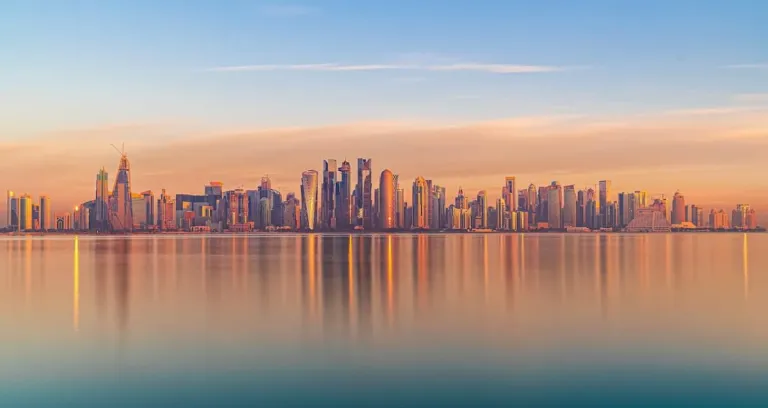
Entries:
{"x":331,"y":205}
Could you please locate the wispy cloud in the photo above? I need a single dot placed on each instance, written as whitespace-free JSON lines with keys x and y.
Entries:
{"x":287,"y":10}
{"x":337,"y":67}
{"x":751,"y":97}
{"x":761,"y":65}
{"x":720,"y":110}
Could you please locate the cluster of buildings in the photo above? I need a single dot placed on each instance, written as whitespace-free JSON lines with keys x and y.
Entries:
{"x":336,"y":199}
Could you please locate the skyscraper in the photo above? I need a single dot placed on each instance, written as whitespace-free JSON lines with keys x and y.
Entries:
{"x":364,"y":193}
{"x":678,"y":209}
{"x":581,"y":208}
{"x":328,"y":195}
{"x":419,"y":203}
{"x":121,"y":203}
{"x":569,"y":207}
{"x":697,"y":216}
{"x":13,"y":211}
{"x":102,"y":201}
{"x":400,"y":208}
{"x":532,"y":203}
{"x":606,"y":197}
{"x":215,"y":189}
{"x":309,"y":208}
{"x":344,"y":212}
{"x":45,"y":213}
{"x":511,"y":197}
{"x":554,"y":204}
{"x":501,"y":212}
{"x":25,"y":213}
{"x":481,"y":209}
{"x":739,"y":216}
{"x":386,"y":200}
{"x":165,"y":212}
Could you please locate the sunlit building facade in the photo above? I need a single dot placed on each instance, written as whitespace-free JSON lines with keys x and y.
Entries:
{"x":420,"y":203}
{"x":344,"y":210}
{"x":309,"y":192}
{"x":25,"y":213}
{"x":569,"y":207}
{"x":678,"y":209}
{"x":364,"y":193}
{"x":121,"y":203}
{"x":101,"y":218}
{"x":386,"y":205}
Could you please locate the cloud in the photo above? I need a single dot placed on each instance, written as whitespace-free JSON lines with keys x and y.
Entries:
{"x":751,"y":98}
{"x":720,"y":110}
{"x":748,"y":66}
{"x":337,"y":67}
{"x":287,"y":10}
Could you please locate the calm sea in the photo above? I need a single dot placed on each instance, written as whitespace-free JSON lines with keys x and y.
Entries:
{"x":385,"y":320}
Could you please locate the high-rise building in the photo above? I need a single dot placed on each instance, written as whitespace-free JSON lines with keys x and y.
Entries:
{"x":328,"y":195}
{"x":364,"y":193}
{"x":45,"y":213}
{"x":102,"y":218}
{"x":400,"y":208}
{"x":718,"y":220}
{"x":696,"y":219}
{"x":149,"y":208}
{"x":165,"y":212}
{"x":237,"y":209}
{"x":511,"y":197}
{"x":641,"y":198}
{"x":13,"y":211}
{"x":751,"y":220}
{"x":625,"y":209}
{"x":386,"y":205}
{"x":739,"y":216}
{"x":121,"y":203}
{"x":543,"y":207}
{"x":215,"y":189}
{"x":678,"y":209}
{"x":309,"y":208}
{"x":502,"y":221}
{"x":606,"y":196}
{"x":592,"y":212}
{"x":570,"y":208}
{"x":420,"y":203}
{"x":292,"y":212}
{"x":344,"y":211}
{"x":481,"y":210}
{"x":532,"y":203}
{"x":581,"y":208}
{"x":555,"y":205}
{"x":62,"y":221}
{"x":139,"y":212}
{"x":25,"y":213}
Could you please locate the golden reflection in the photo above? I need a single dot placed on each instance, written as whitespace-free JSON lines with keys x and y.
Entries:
{"x":27,"y":268}
{"x":76,"y":290}
{"x":351,"y":277}
{"x":668,"y":260}
{"x":312,"y":262}
{"x":485,"y":267}
{"x":745,"y":266}
{"x":390,"y":282}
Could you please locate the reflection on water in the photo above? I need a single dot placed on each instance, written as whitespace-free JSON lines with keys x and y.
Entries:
{"x":383,"y":304}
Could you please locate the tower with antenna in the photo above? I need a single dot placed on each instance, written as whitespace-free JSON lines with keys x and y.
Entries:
{"x":121,"y":207}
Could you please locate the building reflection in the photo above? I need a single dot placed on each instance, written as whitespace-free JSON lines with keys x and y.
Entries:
{"x":76,"y":287}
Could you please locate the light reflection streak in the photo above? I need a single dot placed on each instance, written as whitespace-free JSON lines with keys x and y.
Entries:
{"x":390,"y":282}
{"x":351,"y":278}
{"x":745,"y":267}
{"x":27,"y":268}
{"x":76,"y":289}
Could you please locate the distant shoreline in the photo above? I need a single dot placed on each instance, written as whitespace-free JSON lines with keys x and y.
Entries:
{"x":396,"y":232}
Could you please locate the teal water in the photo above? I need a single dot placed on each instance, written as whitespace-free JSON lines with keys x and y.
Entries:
{"x":385,"y":320}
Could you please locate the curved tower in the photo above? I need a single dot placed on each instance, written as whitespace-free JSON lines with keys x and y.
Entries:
{"x":309,"y":199}
{"x":387,"y":200}
{"x":121,"y":211}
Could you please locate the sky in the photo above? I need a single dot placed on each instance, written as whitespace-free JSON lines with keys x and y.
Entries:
{"x":654,"y":95}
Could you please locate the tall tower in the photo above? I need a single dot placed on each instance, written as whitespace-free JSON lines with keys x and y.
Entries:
{"x":482,"y":208}
{"x":45,"y":213}
{"x":102,"y":201}
{"x":605,"y":198}
{"x":364,"y":193}
{"x":554,"y":203}
{"x":344,"y":196}
{"x":309,"y":200}
{"x":328,"y":195}
{"x":420,"y":202}
{"x":122,"y":202}
{"x":678,"y":208}
{"x":13,"y":211}
{"x":25,"y":213}
{"x":511,"y":198}
{"x":386,"y":200}
{"x":570,"y":218}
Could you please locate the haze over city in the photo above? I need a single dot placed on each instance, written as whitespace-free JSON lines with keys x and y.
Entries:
{"x":671,"y":101}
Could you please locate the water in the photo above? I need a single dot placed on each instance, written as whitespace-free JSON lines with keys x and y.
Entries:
{"x":385,"y":320}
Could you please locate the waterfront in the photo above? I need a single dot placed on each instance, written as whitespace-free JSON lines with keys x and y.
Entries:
{"x":283,"y":319}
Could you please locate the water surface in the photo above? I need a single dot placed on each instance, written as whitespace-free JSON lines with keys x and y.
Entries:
{"x":385,"y":320}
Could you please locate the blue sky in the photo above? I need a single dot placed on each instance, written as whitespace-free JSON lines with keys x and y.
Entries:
{"x":77,"y":64}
